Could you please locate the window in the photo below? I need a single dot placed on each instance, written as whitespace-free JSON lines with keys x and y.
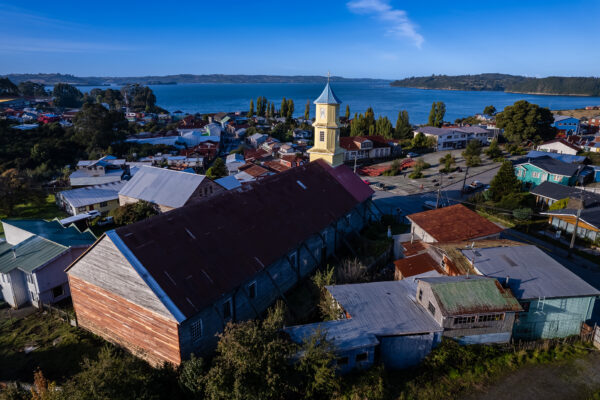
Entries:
{"x":555,"y":178}
{"x":252,"y":290}
{"x":464,"y":320}
{"x":535,"y":174}
{"x":196,"y":329}
{"x":81,"y":209}
{"x":342,"y":361}
{"x":57,"y":291}
{"x":420,"y":294}
{"x":490,"y":317}
{"x":322,"y":136}
{"x":294,"y":259}
{"x":431,"y":308}
{"x":104,"y":204}
{"x":362,"y":357}
{"x":227,"y":311}
{"x":322,"y":112}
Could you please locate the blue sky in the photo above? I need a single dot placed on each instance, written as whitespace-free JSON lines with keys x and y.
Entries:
{"x":352,"y":38}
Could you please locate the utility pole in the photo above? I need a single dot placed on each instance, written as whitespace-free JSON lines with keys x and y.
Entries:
{"x":579,"y":208}
{"x":437,"y":202}
{"x":355,"y":155}
{"x":464,"y":181}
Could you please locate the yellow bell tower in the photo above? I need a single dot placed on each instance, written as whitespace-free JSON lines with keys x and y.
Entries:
{"x":327,"y":129}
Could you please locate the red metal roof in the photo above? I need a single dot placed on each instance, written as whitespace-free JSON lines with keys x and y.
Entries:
{"x":454,"y":223}
{"x":198,"y":253}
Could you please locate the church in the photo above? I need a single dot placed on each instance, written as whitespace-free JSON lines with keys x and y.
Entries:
{"x":163,"y":288}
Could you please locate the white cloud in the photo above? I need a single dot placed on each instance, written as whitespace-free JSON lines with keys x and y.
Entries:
{"x":396,"y":20}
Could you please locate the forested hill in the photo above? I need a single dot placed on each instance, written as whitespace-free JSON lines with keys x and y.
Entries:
{"x":554,"y":85}
{"x":51,"y":79}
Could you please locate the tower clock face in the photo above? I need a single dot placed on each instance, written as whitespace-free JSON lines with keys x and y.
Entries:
{"x":322,"y":112}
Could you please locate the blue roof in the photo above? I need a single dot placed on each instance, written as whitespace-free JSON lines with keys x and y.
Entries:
{"x":327,"y":97}
{"x":568,"y":158}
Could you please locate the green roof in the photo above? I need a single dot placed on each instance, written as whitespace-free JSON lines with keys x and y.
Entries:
{"x":54,"y":231}
{"x":29,"y":254}
{"x":457,"y":295}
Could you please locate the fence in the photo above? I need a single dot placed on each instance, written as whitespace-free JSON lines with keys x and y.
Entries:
{"x":67,"y":316}
{"x":591,"y":334}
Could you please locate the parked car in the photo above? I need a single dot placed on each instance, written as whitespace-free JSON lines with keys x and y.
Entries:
{"x":412,"y":155}
{"x":105,"y":221}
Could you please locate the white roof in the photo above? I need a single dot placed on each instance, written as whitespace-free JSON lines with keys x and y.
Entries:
{"x":162,"y":186}
{"x":83,"y":178}
{"x":92,"y":194}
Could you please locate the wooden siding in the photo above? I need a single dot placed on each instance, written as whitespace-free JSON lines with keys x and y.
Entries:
{"x":144,"y":333}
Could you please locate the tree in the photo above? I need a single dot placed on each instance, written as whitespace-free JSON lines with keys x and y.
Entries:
{"x":448,"y":161}
{"x":251,"y":110}
{"x":383,"y":127}
{"x":259,"y":106}
{"x":307,"y":111}
{"x":96,"y":127}
{"x":272,"y":110}
{"x":525,"y":121}
{"x":290,"y":109}
{"x":489,"y":111}
{"x":440,"y":113}
{"x":66,"y":95}
{"x":403,"y":127}
{"x":7,"y":88}
{"x":472,"y":153}
{"x":419,"y":141}
{"x":505,"y":182}
{"x":134,"y":212}
{"x":14,"y":189}
{"x":32,"y":89}
{"x":217,"y":170}
{"x":283,"y":111}
{"x":493,"y":151}
{"x":139,"y":98}
{"x":347,"y":114}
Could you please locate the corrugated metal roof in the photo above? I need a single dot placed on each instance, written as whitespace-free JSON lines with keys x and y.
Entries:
{"x":416,"y":265}
{"x":553,"y":166}
{"x":532,"y":273}
{"x":229,"y":182}
{"x":327,"y":96}
{"x":29,"y":254}
{"x":54,"y":231}
{"x":92,"y":194}
{"x":213,"y":246}
{"x":557,"y":191}
{"x":162,"y":186}
{"x":376,"y":309}
{"x":454,"y":223}
{"x":458,"y":295}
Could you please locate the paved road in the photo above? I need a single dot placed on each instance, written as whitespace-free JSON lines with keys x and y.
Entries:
{"x":394,"y":201}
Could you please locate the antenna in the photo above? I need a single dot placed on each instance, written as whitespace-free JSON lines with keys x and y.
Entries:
{"x":328,"y":76}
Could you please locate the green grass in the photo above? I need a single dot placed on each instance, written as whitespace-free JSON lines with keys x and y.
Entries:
{"x":60,"y":347}
{"x":45,"y":210}
{"x":451,"y":371}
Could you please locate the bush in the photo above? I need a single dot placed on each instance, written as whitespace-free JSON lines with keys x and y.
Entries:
{"x":559,"y":205}
{"x":134,"y":212}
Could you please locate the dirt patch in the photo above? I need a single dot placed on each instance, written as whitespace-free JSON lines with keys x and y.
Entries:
{"x":574,"y":379}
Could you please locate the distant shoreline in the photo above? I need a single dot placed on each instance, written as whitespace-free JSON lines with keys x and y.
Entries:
{"x":501,"y":91}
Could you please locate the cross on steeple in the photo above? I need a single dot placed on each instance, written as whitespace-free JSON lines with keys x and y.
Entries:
{"x":328,"y":76}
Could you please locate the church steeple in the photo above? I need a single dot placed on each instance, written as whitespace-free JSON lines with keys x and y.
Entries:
{"x":327,"y":131}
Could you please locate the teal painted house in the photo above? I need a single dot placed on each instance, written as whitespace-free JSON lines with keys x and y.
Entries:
{"x":546,"y":169}
{"x":555,"y":301}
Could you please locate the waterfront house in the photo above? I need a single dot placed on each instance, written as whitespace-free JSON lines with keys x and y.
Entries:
{"x":470,"y":309}
{"x":366,"y":147}
{"x":33,"y":258}
{"x":566,"y":125}
{"x":542,"y":169}
{"x":555,"y":301}
{"x":452,"y":223}
{"x":166,"y":188}
{"x":164,"y":287}
{"x":456,"y":137}
{"x":102,"y":198}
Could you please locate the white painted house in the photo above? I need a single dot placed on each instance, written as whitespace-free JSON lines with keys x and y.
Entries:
{"x":559,"y":146}
{"x":33,"y":259}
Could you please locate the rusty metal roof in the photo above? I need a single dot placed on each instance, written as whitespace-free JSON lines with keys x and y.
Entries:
{"x":454,"y":223}
{"x":198,"y":253}
{"x":416,"y":265}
